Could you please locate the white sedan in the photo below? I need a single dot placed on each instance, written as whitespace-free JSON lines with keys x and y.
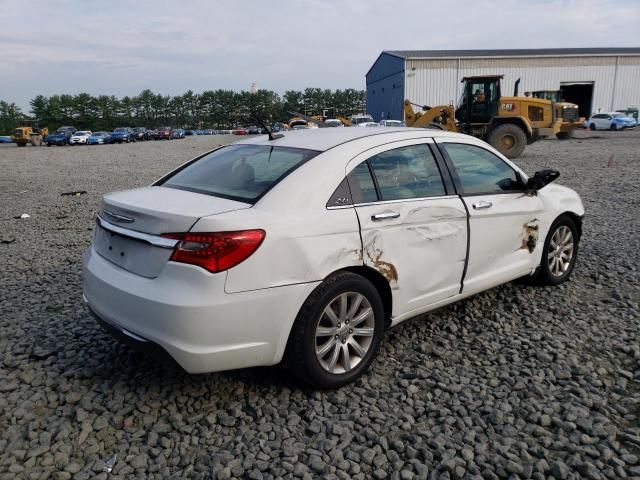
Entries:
{"x":80,"y":137}
{"x":307,"y":246}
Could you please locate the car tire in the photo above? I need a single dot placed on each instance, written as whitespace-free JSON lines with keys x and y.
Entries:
{"x":508,"y":139}
{"x":563,"y":231}
{"x":612,"y":127}
{"x":592,"y":127}
{"x":345,"y":355}
{"x":48,"y":144}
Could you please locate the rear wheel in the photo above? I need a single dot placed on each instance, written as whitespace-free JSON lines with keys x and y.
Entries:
{"x":612,"y":126}
{"x":337,"y":333}
{"x":21,"y":144}
{"x":508,"y":139}
{"x":592,"y":126}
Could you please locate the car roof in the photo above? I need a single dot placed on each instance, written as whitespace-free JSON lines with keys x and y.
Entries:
{"x":322,"y":139}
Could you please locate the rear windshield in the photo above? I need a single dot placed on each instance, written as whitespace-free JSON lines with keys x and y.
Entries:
{"x":239,"y":172}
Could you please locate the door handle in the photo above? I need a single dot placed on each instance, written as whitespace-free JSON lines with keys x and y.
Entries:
{"x":482,"y":204}
{"x":384,"y":216}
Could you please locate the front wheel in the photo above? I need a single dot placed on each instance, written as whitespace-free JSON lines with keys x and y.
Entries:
{"x":560,"y":252}
{"x":337,"y":333}
{"x":509,"y":140}
{"x":592,"y":127}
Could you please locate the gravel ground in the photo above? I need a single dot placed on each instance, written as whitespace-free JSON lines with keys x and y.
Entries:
{"x":517,"y":382}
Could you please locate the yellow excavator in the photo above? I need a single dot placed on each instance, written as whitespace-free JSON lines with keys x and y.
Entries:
{"x":507,"y":123}
{"x":29,"y":132}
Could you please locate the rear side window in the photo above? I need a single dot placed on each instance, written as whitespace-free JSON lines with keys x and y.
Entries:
{"x":407,"y":172}
{"x":480,"y":171}
{"x":363,"y":190}
{"x":239,"y":172}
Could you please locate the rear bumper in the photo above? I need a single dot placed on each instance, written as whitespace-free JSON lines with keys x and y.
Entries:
{"x":186,"y":313}
{"x":141,"y":344}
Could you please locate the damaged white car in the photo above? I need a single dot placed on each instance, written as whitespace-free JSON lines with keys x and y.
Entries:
{"x":308,"y":246}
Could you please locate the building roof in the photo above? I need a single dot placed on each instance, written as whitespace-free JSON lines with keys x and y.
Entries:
{"x":322,"y":139}
{"x":525,"y":52}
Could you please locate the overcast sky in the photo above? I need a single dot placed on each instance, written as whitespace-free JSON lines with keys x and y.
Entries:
{"x":121,"y":47}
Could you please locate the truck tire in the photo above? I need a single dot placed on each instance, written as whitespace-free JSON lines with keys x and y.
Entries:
{"x":508,"y":139}
{"x":564,"y":135}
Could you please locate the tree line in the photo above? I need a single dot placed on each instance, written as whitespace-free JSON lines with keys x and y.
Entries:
{"x":210,"y":109}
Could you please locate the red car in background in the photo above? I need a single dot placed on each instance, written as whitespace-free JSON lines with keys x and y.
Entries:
{"x":240,"y":131}
{"x":164,"y":133}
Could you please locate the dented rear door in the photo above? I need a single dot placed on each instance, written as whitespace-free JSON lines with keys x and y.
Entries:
{"x":414,"y":232}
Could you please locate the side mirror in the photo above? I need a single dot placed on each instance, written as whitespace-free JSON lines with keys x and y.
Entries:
{"x":542,"y":178}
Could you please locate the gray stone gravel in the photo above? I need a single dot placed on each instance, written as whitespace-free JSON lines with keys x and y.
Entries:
{"x":517,"y":382}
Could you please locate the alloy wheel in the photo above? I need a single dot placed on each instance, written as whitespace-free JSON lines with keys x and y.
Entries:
{"x":344,"y":332}
{"x":560,"y":252}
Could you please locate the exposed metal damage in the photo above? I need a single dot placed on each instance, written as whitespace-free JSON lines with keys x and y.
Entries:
{"x":530,"y":235}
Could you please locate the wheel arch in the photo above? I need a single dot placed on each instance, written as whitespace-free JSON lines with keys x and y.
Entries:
{"x":575,"y":217}
{"x":380,"y":283}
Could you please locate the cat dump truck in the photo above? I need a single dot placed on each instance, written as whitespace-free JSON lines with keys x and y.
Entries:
{"x":29,"y":132}
{"x":509,"y":124}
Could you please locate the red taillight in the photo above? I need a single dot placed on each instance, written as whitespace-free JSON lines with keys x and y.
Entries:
{"x":218,"y":251}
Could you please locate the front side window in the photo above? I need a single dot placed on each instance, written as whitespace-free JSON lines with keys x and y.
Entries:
{"x":480,"y":171}
{"x":239,"y":172}
{"x":407,"y":172}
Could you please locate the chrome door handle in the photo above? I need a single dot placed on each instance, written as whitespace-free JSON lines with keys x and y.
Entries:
{"x":482,"y":204}
{"x":384,"y":216}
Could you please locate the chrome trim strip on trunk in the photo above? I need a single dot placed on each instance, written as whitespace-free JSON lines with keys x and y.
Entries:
{"x":154,"y":240}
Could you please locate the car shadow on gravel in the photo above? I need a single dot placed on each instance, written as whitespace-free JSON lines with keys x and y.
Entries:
{"x":104,"y":359}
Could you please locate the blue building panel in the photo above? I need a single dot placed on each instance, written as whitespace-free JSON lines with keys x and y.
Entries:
{"x":385,"y":88}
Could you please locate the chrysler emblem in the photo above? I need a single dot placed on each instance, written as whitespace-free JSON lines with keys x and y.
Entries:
{"x":114,"y":217}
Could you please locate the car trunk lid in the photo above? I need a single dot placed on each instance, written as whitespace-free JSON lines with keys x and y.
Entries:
{"x":131,"y":224}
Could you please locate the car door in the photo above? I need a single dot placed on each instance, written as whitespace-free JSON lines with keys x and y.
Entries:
{"x":503,"y":219}
{"x":413,"y":229}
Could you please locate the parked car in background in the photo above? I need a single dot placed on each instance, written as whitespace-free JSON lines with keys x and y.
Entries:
{"x":123,"y":135}
{"x":333,"y":122}
{"x":224,"y":132}
{"x":301,"y":127}
{"x":141,"y":133}
{"x":79,"y":137}
{"x":610,"y":121}
{"x":99,"y":138}
{"x":59,"y":137}
{"x":67,"y":128}
{"x":234,"y":285}
{"x":391,"y":123}
{"x":178,"y":133}
{"x":253,"y":130}
{"x":362,"y":121}
{"x":189,"y":133}
{"x":4,"y":139}
{"x":164,"y":133}
{"x":240,"y":131}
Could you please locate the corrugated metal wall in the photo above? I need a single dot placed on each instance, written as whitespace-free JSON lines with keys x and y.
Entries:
{"x":437,"y":81}
{"x":385,"y":88}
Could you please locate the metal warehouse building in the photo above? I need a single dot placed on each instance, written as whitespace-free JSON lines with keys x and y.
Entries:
{"x":594,"y":78}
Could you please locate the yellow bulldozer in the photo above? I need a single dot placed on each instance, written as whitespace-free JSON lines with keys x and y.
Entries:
{"x":507,"y":123}
{"x":29,"y":132}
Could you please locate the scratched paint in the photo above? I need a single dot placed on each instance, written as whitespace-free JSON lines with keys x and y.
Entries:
{"x":436,"y":231}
